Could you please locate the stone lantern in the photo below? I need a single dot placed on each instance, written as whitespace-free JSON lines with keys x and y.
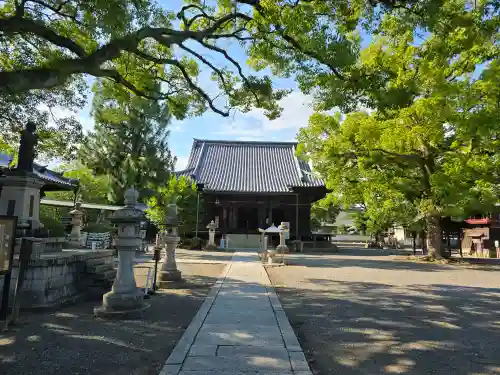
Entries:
{"x":75,"y":238}
{"x":212,"y":226}
{"x":125,"y":299}
{"x":169,"y":271}
{"x":282,"y":248}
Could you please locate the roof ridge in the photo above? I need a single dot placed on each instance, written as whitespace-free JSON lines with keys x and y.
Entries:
{"x":228,"y":141}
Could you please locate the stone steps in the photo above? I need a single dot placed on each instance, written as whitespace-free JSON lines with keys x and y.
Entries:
{"x":100,"y":276}
{"x":99,"y":261}
{"x":99,"y":268}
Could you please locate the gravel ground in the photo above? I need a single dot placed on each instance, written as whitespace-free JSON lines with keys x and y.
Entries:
{"x":72,"y":341}
{"x":364,"y":312}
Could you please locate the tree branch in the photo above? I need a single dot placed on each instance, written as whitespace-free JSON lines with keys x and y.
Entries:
{"x":206,"y":62}
{"x":234,"y":62}
{"x":196,"y":88}
{"x":18,"y":81}
{"x":24,"y":25}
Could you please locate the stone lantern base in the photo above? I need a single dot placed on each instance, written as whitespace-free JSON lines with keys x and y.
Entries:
{"x":168,"y":277}
{"x":122,"y":305}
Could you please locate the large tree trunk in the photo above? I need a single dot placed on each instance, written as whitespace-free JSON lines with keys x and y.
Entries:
{"x":423,"y":242}
{"x":434,"y":239}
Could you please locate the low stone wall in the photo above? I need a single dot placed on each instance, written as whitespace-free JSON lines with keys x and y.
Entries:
{"x":56,"y":279}
{"x":43,"y":245}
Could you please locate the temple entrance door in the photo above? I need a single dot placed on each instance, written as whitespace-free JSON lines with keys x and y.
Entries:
{"x":278,"y":216}
{"x":248,"y":219}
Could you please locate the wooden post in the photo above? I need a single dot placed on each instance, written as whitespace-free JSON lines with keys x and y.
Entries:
{"x":297,"y":217}
{"x":24,"y":259}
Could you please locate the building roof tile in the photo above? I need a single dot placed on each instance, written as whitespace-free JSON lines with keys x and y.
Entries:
{"x":250,"y":167}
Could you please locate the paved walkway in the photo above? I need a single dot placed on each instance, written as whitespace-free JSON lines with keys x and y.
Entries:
{"x":240,"y":329}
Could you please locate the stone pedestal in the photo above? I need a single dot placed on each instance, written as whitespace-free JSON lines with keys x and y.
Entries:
{"x":21,"y":197}
{"x":125,"y":300}
{"x":169,"y":271}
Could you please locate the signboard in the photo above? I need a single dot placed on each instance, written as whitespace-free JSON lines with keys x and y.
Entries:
{"x":8,"y":226}
{"x":7,"y":240}
{"x":287,"y":231}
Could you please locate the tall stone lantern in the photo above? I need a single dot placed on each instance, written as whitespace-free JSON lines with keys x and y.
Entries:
{"x":125,"y":299}
{"x":76,"y":214}
{"x":282,"y":247}
{"x":169,"y":271}
{"x":212,"y":226}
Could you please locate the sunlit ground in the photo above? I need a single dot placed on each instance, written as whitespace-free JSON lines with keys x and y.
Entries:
{"x":362,"y":312}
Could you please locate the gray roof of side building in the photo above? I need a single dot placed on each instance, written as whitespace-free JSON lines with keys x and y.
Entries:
{"x":248,"y":167}
{"x":53,"y":180}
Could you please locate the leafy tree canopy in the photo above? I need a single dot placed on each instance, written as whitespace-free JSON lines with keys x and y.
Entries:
{"x":49,"y":47}
{"x":429,"y":147}
{"x":129,"y":144}
{"x":92,"y":189}
{"x":183,"y":192}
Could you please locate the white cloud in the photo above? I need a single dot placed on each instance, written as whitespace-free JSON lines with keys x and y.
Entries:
{"x":181,"y":163}
{"x":177,"y":126}
{"x":254,"y":125}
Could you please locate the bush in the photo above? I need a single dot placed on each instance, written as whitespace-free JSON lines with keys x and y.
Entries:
{"x":51,"y":228}
{"x":195,"y":243}
{"x":99,"y":228}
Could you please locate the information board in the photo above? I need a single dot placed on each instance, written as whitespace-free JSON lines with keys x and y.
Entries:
{"x":7,"y":238}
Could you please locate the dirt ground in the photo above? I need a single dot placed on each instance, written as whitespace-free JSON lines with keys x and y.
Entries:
{"x":364,"y":312}
{"x":72,"y":341}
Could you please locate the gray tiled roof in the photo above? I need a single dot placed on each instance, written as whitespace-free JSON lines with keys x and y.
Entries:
{"x":52,"y":179}
{"x":252,"y":167}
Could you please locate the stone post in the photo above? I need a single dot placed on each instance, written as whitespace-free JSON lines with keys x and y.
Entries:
{"x":125,"y":300}
{"x":76,"y":226}
{"x":169,"y":271}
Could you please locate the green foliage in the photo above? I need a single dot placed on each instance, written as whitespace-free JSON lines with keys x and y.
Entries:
{"x":129,"y":144}
{"x":92,"y":189}
{"x":323,"y":211}
{"x":51,"y":217}
{"x":183,"y":192}
{"x":428,"y":147}
{"x":99,"y":228}
{"x":48,"y":47}
{"x":342,"y":229}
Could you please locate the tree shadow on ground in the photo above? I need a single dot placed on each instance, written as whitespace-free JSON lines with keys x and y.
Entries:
{"x":73,"y":341}
{"x":339,"y":261}
{"x":362,"y":252}
{"x":354,"y":328}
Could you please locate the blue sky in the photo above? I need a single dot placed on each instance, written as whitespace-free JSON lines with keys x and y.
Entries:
{"x":239,"y":126}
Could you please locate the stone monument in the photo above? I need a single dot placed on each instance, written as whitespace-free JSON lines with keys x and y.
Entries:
{"x":27,"y":146}
{"x":21,"y":187}
{"x":76,"y":239}
{"x":125,"y":300}
{"x":211,"y":236}
{"x":169,"y":271}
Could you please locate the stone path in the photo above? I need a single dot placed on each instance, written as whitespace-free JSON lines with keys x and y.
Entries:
{"x":241,"y":328}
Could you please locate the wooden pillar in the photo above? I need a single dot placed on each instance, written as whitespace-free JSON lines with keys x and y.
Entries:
{"x":224,"y":219}
{"x":270,"y":211}
{"x":262,"y":215}
{"x":297,"y":217}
